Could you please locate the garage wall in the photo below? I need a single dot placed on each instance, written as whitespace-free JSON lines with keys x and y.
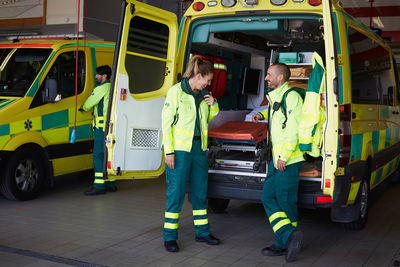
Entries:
{"x":103,"y":16}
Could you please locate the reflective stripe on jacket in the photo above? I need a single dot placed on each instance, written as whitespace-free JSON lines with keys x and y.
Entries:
{"x":285,"y":141}
{"x":99,"y":100}
{"x":179,"y":117}
{"x":313,"y":114}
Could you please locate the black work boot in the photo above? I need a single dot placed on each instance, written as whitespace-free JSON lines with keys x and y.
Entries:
{"x":171,"y":246}
{"x":210,"y":240}
{"x":293,"y":245}
{"x":273,"y":251}
{"x":94,"y":191}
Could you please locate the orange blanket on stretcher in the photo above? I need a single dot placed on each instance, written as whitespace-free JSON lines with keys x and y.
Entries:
{"x":241,"y":130}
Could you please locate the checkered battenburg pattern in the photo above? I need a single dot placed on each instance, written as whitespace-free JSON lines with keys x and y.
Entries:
{"x":144,"y":138}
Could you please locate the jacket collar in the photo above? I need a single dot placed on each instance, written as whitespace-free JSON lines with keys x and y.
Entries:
{"x":276,"y":94}
{"x":186,"y":87}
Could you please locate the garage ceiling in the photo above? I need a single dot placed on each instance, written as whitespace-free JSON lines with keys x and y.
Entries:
{"x":383,"y":14}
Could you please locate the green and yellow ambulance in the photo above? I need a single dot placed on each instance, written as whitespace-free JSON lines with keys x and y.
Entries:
{"x":361,"y":100}
{"x":39,"y":105}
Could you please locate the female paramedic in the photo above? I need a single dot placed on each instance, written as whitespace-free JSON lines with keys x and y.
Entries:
{"x":185,"y":117}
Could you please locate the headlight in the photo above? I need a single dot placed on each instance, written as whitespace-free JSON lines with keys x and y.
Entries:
{"x":278,"y":2}
{"x":228,"y":3}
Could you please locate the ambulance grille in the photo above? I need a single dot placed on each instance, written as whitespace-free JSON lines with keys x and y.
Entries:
{"x":145,"y":139}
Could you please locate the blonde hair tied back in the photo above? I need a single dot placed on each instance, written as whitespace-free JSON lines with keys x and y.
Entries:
{"x":198,"y":65}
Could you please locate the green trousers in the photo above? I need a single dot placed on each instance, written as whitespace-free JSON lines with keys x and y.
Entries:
{"x":279,"y":198}
{"x":193,"y":167}
{"x":98,"y":159}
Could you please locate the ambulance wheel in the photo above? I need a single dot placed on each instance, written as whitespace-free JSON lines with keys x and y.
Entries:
{"x":361,"y":207}
{"x":218,"y":205}
{"x":24,"y":175}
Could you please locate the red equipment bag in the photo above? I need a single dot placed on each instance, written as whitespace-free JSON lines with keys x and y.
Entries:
{"x":218,"y":83}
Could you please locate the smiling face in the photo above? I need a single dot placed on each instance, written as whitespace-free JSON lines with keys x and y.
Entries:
{"x":201,"y":82}
{"x":274,"y":78}
{"x":101,"y":78}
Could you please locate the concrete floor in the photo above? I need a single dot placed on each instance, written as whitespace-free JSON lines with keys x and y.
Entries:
{"x":63,"y":227}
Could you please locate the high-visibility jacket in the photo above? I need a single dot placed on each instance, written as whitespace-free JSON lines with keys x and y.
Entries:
{"x":179,"y":118}
{"x":285,"y":140}
{"x":313,"y":114}
{"x":99,"y":100}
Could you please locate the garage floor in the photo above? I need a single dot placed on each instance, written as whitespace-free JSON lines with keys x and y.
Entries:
{"x":63,"y":228}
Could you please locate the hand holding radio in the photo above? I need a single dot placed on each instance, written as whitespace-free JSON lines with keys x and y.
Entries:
{"x":210,"y":100}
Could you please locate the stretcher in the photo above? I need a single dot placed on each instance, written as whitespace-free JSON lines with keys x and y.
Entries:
{"x":238,"y":145}
{"x":241,"y":132}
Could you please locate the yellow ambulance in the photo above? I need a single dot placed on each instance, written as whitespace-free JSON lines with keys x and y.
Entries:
{"x":39,"y":110}
{"x":360,"y":144}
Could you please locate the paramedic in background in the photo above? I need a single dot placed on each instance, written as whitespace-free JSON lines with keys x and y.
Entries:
{"x":279,"y":195}
{"x":185,"y":117}
{"x":99,"y":100}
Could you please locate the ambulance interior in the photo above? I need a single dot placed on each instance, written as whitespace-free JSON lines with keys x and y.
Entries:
{"x":248,"y":46}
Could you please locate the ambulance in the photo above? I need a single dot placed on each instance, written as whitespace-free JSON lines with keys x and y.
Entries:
{"x":39,"y":110}
{"x":359,"y":146}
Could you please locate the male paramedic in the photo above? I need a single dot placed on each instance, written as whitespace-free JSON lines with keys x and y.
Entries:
{"x":99,"y":100}
{"x":279,"y":195}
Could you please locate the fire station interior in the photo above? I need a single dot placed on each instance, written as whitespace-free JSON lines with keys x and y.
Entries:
{"x":247,"y":54}
{"x":62,"y":227}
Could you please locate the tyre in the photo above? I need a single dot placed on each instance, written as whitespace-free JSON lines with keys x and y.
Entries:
{"x":218,"y":205}
{"x":361,"y":206}
{"x":24,"y":175}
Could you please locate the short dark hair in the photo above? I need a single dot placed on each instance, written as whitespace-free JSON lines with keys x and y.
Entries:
{"x":105,"y":69}
{"x":283,"y":69}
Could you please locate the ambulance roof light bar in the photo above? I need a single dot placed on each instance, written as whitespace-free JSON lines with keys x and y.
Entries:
{"x":43,"y":37}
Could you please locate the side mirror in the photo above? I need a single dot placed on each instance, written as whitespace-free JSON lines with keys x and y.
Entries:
{"x":50,"y":93}
{"x":390,"y":96}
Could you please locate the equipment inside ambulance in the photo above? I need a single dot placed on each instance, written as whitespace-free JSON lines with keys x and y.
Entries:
{"x":42,"y":84}
{"x":350,"y":122}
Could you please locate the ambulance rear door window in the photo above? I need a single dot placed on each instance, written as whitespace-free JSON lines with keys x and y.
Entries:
{"x":146,"y":55}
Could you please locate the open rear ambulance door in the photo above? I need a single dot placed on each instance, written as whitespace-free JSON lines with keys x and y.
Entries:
{"x":143,"y":73}
{"x":332,"y":105}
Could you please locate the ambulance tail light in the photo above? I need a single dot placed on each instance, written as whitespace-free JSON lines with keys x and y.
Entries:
{"x":109,"y":165}
{"x":315,"y":2}
{"x":123,"y":94}
{"x":345,"y":135}
{"x":324,"y":199}
{"x":198,"y":6}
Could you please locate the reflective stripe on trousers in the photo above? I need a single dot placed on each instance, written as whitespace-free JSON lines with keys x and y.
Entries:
{"x":189,"y":166}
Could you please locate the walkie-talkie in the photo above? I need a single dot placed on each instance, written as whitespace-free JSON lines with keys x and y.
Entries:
{"x":204,"y":92}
